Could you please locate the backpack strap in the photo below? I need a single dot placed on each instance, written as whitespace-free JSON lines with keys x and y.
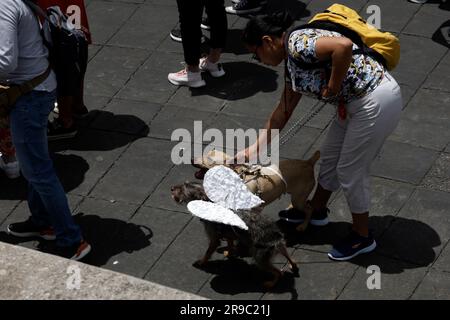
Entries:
{"x":36,"y":9}
{"x":38,"y":12}
{"x":335,"y":27}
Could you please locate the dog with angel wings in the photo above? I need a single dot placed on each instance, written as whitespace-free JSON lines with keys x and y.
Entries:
{"x":231,"y":212}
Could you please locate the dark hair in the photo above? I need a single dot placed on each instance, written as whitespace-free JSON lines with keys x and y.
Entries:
{"x":272,"y":25}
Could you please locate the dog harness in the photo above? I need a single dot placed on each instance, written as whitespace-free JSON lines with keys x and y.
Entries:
{"x":258,"y":171}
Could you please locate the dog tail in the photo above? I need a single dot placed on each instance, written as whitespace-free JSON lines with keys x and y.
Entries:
{"x":314,"y":158}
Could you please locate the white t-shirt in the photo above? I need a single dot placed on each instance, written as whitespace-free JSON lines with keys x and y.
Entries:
{"x":23,"y":55}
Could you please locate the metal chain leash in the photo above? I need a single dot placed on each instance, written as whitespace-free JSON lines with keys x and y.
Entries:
{"x":301,"y":122}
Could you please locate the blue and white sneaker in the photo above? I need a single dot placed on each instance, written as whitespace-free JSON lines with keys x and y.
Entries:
{"x":352,"y":246}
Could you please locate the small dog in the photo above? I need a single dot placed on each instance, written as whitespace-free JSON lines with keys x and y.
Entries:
{"x":295,"y":177}
{"x":263,"y":237}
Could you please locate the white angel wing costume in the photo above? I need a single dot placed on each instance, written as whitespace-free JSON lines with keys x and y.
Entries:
{"x":226,"y":189}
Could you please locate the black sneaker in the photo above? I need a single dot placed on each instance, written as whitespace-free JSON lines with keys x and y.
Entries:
{"x":353,"y":245}
{"x":245,"y":7}
{"x":319,"y":217}
{"x":175,"y":34}
{"x":82,"y":113}
{"x":75,"y":252}
{"x":56,"y":131}
{"x":205,"y":24}
{"x":29,"y":229}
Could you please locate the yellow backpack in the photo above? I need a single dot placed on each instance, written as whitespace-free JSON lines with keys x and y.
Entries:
{"x":383,"y":46}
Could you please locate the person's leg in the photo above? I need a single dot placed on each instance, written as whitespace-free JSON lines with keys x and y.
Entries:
{"x":39,"y":214}
{"x":372,"y":120}
{"x":47,"y":196}
{"x":79,"y":108}
{"x":327,"y":181}
{"x":190,"y":19}
{"x":190,"y":13}
{"x":329,"y":157}
{"x":219,"y":27}
{"x":8,"y":160}
{"x":70,"y":99}
{"x":65,"y":107}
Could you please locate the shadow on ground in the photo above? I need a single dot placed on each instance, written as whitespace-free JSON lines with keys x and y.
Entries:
{"x":236,"y":276}
{"x":108,"y":237}
{"x":407,"y":240}
{"x":243,"y":80}
{"x":111,"y":132}
{"x":70,"y":169}
{"x":443,"y":4}
{"x":442,"y":35}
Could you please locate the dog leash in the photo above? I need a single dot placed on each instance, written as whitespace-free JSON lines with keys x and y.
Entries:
{"x":300,"y":123}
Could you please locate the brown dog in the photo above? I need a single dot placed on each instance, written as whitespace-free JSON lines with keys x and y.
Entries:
{"x":295,"y":177}
{"x":263,"y":237}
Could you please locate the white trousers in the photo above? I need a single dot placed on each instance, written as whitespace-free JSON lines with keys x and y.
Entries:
{"x":352,"y":144}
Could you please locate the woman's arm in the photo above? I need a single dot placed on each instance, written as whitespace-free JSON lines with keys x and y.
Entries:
{"x":278,"y":119}
{"x":339,"y":50}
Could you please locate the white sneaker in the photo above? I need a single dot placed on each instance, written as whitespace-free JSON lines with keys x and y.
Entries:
{"x":11,"y":169}
{"x":215,"y":69}
{"x":187,"y":78}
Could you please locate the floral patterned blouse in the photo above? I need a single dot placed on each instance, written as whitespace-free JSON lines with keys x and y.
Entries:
{"x":363,"y":76}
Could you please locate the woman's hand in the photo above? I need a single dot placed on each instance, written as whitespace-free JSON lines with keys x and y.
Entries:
{"x":328,"y":92}
{"x":242,"y":156}
{"x":339,"y":51}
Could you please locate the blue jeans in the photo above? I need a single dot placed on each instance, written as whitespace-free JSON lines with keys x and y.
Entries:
{"x":46,"y":197}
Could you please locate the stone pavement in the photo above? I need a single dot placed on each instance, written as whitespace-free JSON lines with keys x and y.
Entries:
{"x":118,"y":172}
{"x":23,"y":271}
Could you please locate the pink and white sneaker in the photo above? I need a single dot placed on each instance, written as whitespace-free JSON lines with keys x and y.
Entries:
{"x":186,"y":78}
{"x":215,"y":69}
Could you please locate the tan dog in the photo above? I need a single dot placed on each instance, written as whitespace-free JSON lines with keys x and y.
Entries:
{"x":295,"y":177}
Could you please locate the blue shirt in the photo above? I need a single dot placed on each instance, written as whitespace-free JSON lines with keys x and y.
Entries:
{"x":23,"y":55}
